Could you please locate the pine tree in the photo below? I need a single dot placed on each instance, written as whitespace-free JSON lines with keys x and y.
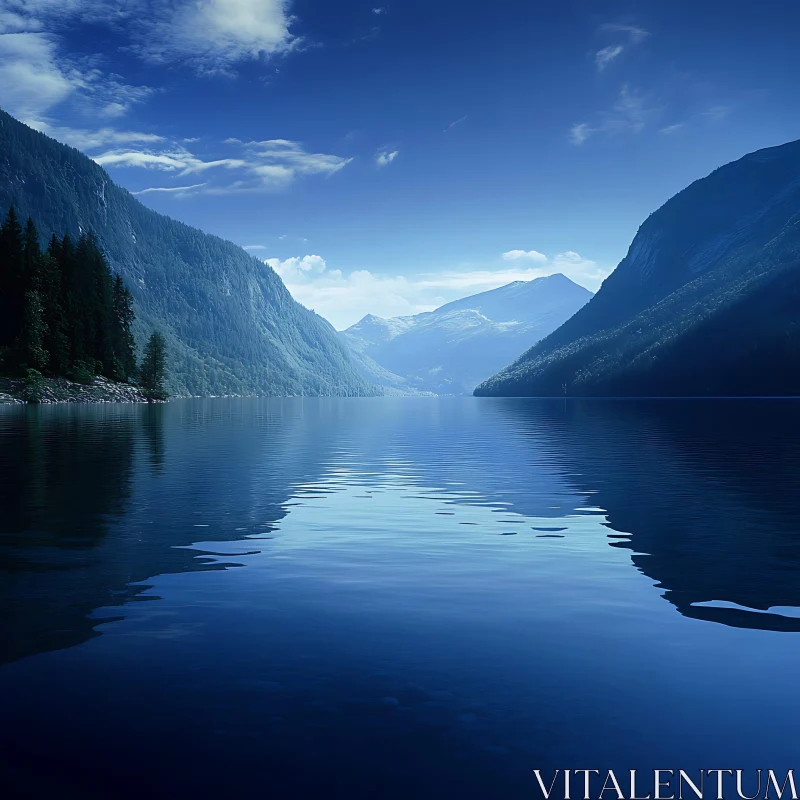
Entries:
{"x":12,"y":289}
{"x":62,"y":309}
{"x":153,"y":370}
{"x":54,"y":248}
{"x":56,"y":340}
{"x":82,"y":311}
{"x":101,"y":303}
{"x":31,"y":352}
{"x":124,"y":345}
{"x":68,"y":267}
{"x":31,"y":257}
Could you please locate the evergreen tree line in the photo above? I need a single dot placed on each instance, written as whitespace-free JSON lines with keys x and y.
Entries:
{"x":63,"y":313}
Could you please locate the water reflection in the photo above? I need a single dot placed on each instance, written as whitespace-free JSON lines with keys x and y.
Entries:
{"x":704,"y":493}
{"x":393,"y":598}
{"x":97,"y":500}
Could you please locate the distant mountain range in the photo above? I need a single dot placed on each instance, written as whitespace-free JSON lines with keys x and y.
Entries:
{"x":231,"y":325}
{"x":452,"y":349}
{"x":706,"y":302}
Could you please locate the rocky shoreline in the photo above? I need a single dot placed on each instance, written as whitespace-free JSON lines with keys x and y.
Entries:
{"x":61,"y":390}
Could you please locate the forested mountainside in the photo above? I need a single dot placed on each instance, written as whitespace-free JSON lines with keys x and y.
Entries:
{"x":450,"y":350}
{"x":706,"y":302}
{"x":231,"y":325}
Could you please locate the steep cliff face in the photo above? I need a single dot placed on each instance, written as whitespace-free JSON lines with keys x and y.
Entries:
{"x":703,"y":303}
{"x":450,"y":350}
{"x":231,"y":324}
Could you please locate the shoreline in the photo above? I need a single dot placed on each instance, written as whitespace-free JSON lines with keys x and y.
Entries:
{"x":13,"y":391}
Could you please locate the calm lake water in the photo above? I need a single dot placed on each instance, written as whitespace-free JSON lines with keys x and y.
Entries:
{"x":394,"y":598}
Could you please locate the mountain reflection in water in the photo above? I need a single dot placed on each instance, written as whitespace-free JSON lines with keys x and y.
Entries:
{"x":393,"y":597}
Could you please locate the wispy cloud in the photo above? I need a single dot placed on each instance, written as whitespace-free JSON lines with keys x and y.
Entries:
{"x":35,"y":77}
{"x":380,"y":10}
{"x":630,"y":35}
{"x":385,"y":157}
{"x":602,"y":58}
{"x":210,"y":36}
{"x":635,"y":34}
{"x":453,"y":124}
{"x":253,"y":166}
{"x":87,"y":140}
{"x":214,"y":35}
{"x":629,"y":114}
{"x":580,"y":132}
{"x":254,"y":247}
{"x":670,"y":129}
{"x":170,"y":189}
{"x":285,"y":153}
{"x":31,"y":80}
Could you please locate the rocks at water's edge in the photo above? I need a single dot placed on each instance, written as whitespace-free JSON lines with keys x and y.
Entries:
{"x":61,"y":390}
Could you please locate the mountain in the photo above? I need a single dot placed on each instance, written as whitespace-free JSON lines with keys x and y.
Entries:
{"x":231,"y":325}
{"x":450,"y":350}
{"x":706,"y":302}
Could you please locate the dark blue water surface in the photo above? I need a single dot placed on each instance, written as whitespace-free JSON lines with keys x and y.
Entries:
{"x":390,"y":598}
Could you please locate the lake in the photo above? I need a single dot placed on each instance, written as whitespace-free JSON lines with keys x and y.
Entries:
{"x":394,"y":597}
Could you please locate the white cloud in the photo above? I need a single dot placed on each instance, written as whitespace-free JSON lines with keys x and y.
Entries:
{"x":255,"y":166}
{"x":146,"y":160}
{"x":170,"y":189}
{"x":631,"y":35}
{"x":104,"y":137}
{"x":31,"y":80}
{"x":253,"y":247}
{"x":35,"y":76}
{"x":37,"y":79}
{"x":294,"y":268}
{"x":385,"y":157}
{"x":670,"y":129}
{"x":211,"y":36}
{"x":602,"y":58}
{"x":101,"y":12}
{"x":12,"y":22}
{"x":343,"y":299}
{"x":525,"y":255}
{"x":292,"y":155}
{"x":379,"y":11}
{"x":214,"y":35}
{"x":580,"y":132}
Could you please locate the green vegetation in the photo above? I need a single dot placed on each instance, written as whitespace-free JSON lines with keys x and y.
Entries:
{"x":230,"y":324}
{"x":62,"y":313}
{"x":153,"y":371}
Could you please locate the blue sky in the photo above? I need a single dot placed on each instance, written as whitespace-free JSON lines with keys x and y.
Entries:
{"x":387,"y":158}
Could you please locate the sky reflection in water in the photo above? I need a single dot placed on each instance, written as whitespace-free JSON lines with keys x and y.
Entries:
{"x":394,"y":597}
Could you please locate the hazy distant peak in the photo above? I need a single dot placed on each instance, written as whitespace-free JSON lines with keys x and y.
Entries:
{"x":368,"y":319}
{"x":451,"y":349}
